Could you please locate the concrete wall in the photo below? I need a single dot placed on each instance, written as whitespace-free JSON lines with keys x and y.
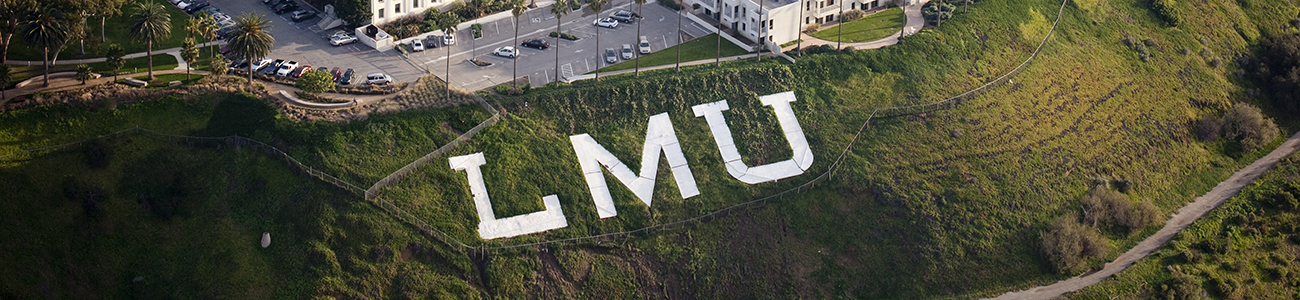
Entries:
{"x":408,"y":7}
{"x":383,"y":43}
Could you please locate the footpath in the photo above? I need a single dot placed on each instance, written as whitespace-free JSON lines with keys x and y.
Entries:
{"x":1185,"y":217}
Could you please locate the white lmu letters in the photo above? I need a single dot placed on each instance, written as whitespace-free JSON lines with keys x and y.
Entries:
{"x":660,"y":138}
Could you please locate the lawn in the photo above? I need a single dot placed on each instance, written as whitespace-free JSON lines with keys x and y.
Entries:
{"x":704,"y":47}
{"x":115,"y":30}
{"x":132,"y":66}
{"x":874,"y":27}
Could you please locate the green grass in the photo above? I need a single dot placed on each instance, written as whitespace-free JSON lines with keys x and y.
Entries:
{"x":115,"y":30}
{"x":704,"y":47}
{"x":132,"y":66}
{"x":874,"y":27}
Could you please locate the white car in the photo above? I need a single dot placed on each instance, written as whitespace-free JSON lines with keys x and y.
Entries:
{"x":417,"y":45}
{"x":182,"y":5}
{"x":261,"y":63}
{"x":378,"y":78}
{"x":340,"y":40}
{"x":644,"y":45}
{"x":610,"y":56}
{"x":286,"y":68}
{"x":449,"y":39}
{"x":606,"y":22}
{"x":627,"y":51}
{"x":506,"y":51}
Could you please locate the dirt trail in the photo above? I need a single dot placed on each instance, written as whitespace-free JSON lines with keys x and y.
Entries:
{"x":1186,"y":215}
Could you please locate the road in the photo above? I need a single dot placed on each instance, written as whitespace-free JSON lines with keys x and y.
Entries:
{"x":1185,"y":217}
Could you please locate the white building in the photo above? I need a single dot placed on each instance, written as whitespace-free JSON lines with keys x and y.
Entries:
{"x":384,"y":11}
{"x":779,"y":21}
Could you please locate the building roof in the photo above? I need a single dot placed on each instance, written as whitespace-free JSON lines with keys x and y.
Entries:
{"x":772,"y":4}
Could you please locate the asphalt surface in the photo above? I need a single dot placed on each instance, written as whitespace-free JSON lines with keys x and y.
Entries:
{"x":307,"y":45}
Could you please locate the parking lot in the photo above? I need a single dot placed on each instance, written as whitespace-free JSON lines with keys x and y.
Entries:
{"x":299,"y":42}
{"x":658,"y":25}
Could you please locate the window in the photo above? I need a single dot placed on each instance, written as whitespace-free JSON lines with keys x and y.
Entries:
{"x":415,"y":4}
{"x":770,"y":24}
{"x":742,"y":26}
{"x":830,"y":18}
{"x":830,"y":2}
{"x":397,"y":9}
{"x":381,"y":12}
{"x":807,"y":20}
{"x":809,"y":6}
{"x":821,"y":4}
{"x":855,"y":5}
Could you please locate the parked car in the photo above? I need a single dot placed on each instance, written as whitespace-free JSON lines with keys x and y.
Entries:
{"x":286,"y":68}
{"x":417,"y":45}
{"x":303,"y":15}
{"x":224,"y":50}
{"x":196,"y":6}
{"x":337,"y":33}
{"x":606,"y":22}
{"x":340,"y":40}
{"x":261,"y":63}
{"x":644,"y":45}
{"x":540,"y":44}
{"x":274,"y":66}
{"x":346,"y":78}
{"x":431,"y":42}
{"x":301,"y":70}
{"x":273,"y":3}
{"x":378,"y":78}
{"x":610,"y":56}
{"x":448,"y":40}
{"x":336,"y":73}
{"x":624,"y":16}
{"x":627,"y":51}
{"x":287,"y":7}
{"x":238,"y":63}
{"x":222,"y":18}
{"x":506,"y":51}
{"x":182,"y":5}
{"x":211,"y":10}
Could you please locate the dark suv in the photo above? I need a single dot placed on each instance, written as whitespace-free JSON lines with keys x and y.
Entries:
{"x":540,"y":44}
{"x":624,"y":16}
{"x":287,"y":7}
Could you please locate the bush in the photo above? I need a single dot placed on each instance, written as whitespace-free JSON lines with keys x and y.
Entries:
{"x":316,"y":81}
{"x":811,"y":28}
{"x":933,"y":11}
{"x":849,"y":50}
{"x":1208,"y":128}
{"x":477,"y":29}
{"x":563,"y":35}
{"x":1168,"y":11}
{"x":850,"y":16}
{"x":1068,"y":244}
{"x":1181,"y":286}
{"x":1278,"y":58}
{"x":670,"y":4}
{"x":97,"y":154}
{"x":1244,"y":123}
{"x":1107,"y":208}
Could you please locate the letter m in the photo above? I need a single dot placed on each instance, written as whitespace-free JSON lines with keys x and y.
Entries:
{"x":659,"y":137}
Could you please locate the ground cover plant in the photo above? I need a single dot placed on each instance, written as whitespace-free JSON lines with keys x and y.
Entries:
{"x":946,"y":203}
{"x":873,"y":27}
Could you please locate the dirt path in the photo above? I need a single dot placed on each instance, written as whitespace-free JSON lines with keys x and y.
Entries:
{"x":1186,"y":215}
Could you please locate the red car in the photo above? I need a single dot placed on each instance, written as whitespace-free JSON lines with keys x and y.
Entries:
{"x":336,"y":73}
{"x":303,"y":70}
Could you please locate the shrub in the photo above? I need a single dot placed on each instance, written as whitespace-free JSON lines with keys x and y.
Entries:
{"x":933,"y":11}
{"x":849,"y":50}
{"x":563,"y":35}
{"x":1168,"y":11}
{"x":1108,"y":208}
{"x":1181,"y":286}
{"x":317,"y":81}
{"x":811,"y":28}
{"x":1144,"y":215}
{"x":1208,"y":128}
{"x":477,"y":29}
{"x":670,"y":4}
{"x":1244,"y":123}
{"x":1279,"y":56}
{"x":1068,"y":244}
{"x":850,"y":16}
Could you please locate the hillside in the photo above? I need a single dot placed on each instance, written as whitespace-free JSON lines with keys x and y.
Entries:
{"x":945,"y":203}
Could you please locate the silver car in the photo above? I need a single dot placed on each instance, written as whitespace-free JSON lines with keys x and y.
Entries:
{"x":610,"y":55}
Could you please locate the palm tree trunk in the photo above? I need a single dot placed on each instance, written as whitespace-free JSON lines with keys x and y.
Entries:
{"x":46,"y":62}
{"x":638,"y":42}
{"x":799,"y":34}
{"x":602,"y":54}
{"x":718,"y":58}
{"x":515,"y":70}
{"x":557,"y":49}
{"x":678,"y":34}
{"x":447,"y":78}
{"x":250,"y":73}
{"x":4,"y":47}
{"x":148,"y":50}
{"x":102,"y":38}
{"x":964,"y":5}
{"x":839,"y":32}
{"x":758,"y":52}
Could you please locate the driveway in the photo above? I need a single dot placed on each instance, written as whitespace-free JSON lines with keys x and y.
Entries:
{"x":302,"y":43}
{"x":576,"y":57}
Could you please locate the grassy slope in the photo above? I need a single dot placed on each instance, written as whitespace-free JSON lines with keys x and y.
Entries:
{"x":869,"y":28}
{"x":704,"y":47}
{"x":918,"y":211}
{"x":1247,"y":247}
{"x":116,"y":32}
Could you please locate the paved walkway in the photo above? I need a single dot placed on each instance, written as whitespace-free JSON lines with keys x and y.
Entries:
{"x":914,"y":24}
{"x":173,"y":51}
{"x":1185,"y":217}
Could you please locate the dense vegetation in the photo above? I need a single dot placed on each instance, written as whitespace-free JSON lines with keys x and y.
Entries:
{"x":946,"y":203}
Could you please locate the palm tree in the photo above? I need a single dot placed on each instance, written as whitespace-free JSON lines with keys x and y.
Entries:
{"x":840,"y":31}
{"x":517,"y":7}
{"x":478,"y":7}
{"x":251,"y":39}
{"x":113,"y":58}
{"x":637,"y":64}
{"x":758,"y":50}
{"x":193,"y":25}
{"x":149,"y":23}
{"x":44,"y":28}
{"x":559,"y":9}
{"x":84,"y":72}
{"x":678,"y":34}
{"x":5,"y":77}
{"x":799,"y":35}
{"x":447,"y":22}
{"x":596,"y":6}
{"x":190,"y":54}
{"x":208,"y":30}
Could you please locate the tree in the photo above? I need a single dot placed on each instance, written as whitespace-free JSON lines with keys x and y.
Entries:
{"x":559,"y":9}
{"x":193,"y":25}
{"x":678,"y":34}
{"x":104,"y":9}
{"x":1277,"y":70}
{"x":190,"y":54}
{"x":251,"y":39}
{"x":637,"y":38}
{"x":44,"y":28}
{"x":936,"y":11}
{"x":219,"y":65}
{"x":517,"y":8}
{"x":1069,"y":244}
{"x":597,"y":6}
{"x":113,"y":58}
{"x":353,"y":11}
{"x":1246,"y":124}
{"x":477,"y":8}
{"x":447,"y":22}
{"x":84,"y":73}
{"x":799,"y":40}
{"x":150,"y":22}
{"x":5,"y":78}
{"x":12,"y":14}
{"x":208,"y":30}
{"x":318,"y":81}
